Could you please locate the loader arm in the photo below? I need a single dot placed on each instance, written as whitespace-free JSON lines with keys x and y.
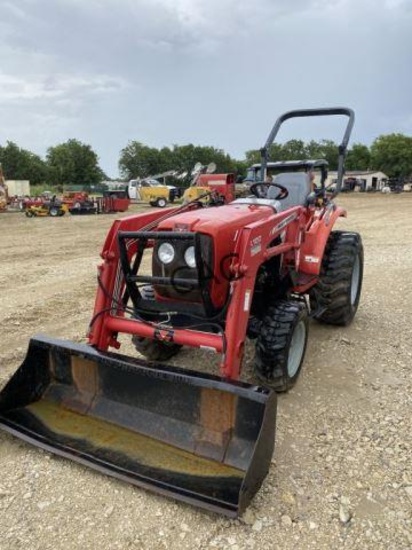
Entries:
{"x":254,"y":247}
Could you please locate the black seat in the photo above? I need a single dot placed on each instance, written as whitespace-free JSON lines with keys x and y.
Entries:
{"x":298,"y":185}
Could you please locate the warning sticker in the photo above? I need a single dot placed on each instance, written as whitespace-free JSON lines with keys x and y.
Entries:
{"x":312,"y":259}
{"x":256,"y":245}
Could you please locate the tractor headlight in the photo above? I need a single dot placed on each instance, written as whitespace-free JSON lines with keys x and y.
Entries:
{"x":166,"y":253}
{"x":190,"y":257}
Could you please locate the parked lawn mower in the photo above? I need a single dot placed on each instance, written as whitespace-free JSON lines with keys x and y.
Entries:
{"x":256,"y":268}
{"x":27,"y":202}
{"x":53,"y":208}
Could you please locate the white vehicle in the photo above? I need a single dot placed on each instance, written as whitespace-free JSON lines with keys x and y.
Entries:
{"x":136,"y":185}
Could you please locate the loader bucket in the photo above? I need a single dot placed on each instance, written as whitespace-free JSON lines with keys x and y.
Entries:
{"x":187,"y":435}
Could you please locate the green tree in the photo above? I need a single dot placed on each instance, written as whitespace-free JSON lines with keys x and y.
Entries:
{"x":240,"y":167}
{"x":139,"y":160}
{"x":166,"y":160}
{"x":325,"y":149}
{"x":20,"y":164}
{"x":392,"y":153}
{"x":186,"y":156}
{"x":75,"y":163}
{"x":275,"y":153}
{"x":359,"y":157}
{"x":294,"y":149}
{"x":252,"y":157}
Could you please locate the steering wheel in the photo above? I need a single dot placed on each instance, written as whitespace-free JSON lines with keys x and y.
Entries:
{"x":260,"y":190}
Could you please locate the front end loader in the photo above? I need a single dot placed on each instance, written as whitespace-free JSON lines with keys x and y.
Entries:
{"x":254,"y":269}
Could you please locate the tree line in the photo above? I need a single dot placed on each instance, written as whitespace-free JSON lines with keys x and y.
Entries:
{"x":74,"y":162}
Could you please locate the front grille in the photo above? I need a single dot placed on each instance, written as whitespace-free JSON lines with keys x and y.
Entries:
{"x":176,"y":281}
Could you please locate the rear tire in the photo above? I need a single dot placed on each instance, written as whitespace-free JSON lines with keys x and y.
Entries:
{"x":54,"y":212}
{"x":281,"y":345}
{"x":154,"y":349}
{"x":338,"y":291}
{"x":161,"y":202}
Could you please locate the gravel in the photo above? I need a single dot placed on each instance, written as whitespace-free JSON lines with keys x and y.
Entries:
{"x":341,"y":471}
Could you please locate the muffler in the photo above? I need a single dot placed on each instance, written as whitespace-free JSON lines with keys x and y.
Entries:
{"x":191,"y":436}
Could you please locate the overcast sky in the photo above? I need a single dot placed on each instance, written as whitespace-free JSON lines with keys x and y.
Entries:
{"x":208,"y":72}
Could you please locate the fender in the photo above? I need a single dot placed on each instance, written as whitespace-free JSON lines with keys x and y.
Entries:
{"x":314,"y":245}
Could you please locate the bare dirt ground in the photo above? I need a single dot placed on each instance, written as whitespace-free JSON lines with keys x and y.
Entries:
{"x":341,"y":471}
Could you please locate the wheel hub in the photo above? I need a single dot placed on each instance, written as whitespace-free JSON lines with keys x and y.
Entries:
{"x":297,"y":347}
{"x":355,"y":281}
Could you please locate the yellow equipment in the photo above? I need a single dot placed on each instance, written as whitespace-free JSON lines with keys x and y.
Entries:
{"x":52,"y":208}
{"x":154,"y":195}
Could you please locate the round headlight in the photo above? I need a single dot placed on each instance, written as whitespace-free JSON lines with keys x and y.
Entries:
{"x":166,"y":253}
{"x":190,"y":257}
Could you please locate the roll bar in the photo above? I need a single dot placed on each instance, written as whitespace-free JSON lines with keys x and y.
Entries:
{"x":328,"y":111}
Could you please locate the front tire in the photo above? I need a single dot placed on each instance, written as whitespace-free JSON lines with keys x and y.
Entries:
{"x":154,"y":350}
{"x":281,"y":345}
{"x":161,"y":203}
{"x":336,"y":296}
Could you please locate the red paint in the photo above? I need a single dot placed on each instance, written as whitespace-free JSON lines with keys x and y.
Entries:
{"x":246,"y":233}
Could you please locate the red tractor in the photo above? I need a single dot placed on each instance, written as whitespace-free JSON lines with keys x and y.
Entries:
{"x":256,"y":268}
{"x":242,"y":270}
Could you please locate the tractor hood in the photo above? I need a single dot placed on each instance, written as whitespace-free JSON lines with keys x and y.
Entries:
{"x":222,"y":220}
